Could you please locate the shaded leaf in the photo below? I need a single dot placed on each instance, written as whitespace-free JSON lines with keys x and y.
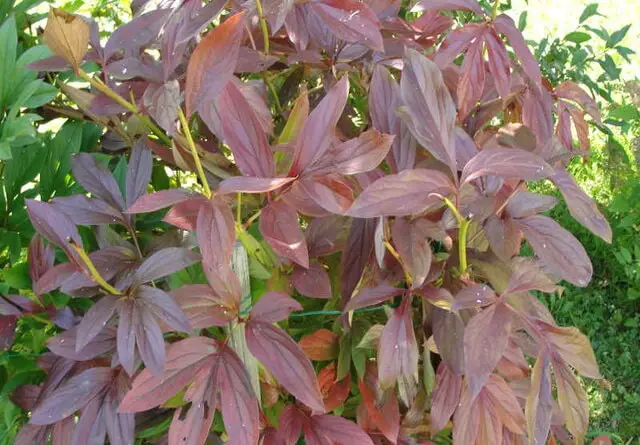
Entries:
{"x":506,"y":163}
{"x":445,"y":398}
{"x":313,"y":282}
{"x":279,"y":227}
{"x":539,"y":406}
{"x":398,"y":349}
{"x":351,"y":21}
{"x":274,"y":307}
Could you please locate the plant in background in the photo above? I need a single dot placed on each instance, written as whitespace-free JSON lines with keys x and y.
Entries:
{"x":340,"y":170}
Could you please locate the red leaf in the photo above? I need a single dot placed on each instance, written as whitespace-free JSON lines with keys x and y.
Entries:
{"x":503,"y":236}
{"x":193,"y":427}
{"x":573,"y":92}
{"x":163,"y":307}
{"x":524,"y":204}
{"x":334,"y":393}
{"x":313,"y":282}
{"x":539,"y":407}
{"x":149,"y":339}
{"x":558,"y":249}
{"x":398,"y":349}
{"x":574,"y":348}
{"x":274,"y":307}
{"x":184,"y":360}
{"x":410,"y":239}
{"x":505,"y":404}
{"x":406,"y":193}
{"x":243,"y":133}
{"x":165,"y":262}
{"x":572,"y":399}
{"x":356,"y":255}
{"x":385,"y":417}
{"x":581,"y":206}
{"x":465,"y":5}
{"x":445,"y":398}
{"x":314,"y":138}
{"x":72,"y":396}
{"x":159,"y":200}
{"x":212,"y":63}
{"x":291,"y":422}
{"x":320,"y":345}
{"x":240,"y":410}
{"x":203,"y":307}
{"x":339,"y":430}
{"x":138,"y":172}
{"x":126,"y":335}
{"x":286,"y":361}
{"x":472,"y":76}
{"x":279,"y":227}
{"x":40,"y":258}
{"x":505,"y":25}
{"x":528,"y":275}
{"x":184,"y":215}
{"x":85,"y":211}
{"x":244,"y":184}
{"x":351,"y":21}
{"x":330,"y":192}
{"x":95,"y":320}
{"x":97,"y":180}
{"x":499,"y":63}
{"x":472,"y":296}
{"x":54,"y":225}
{"x":326,"y":235}
{"x":485,"y":340}
{"x":506,"y":163}
{"x":371,"y":296}
{"x":448,"y":333}
{"x":137,"y":33}
{"x":430,"y":112}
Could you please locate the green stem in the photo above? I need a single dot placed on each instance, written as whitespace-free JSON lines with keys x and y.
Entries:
{"x":463,"y":229}
{"x":274,"y":93}
{"x":494,"y":11}
{"x":194,"y":152}
{"x":239,"y":209}
{"x":104,"y":88}
{"x":93,"y":272}
{"x":263,"y":26}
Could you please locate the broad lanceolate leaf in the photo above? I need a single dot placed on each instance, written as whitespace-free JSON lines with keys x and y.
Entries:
{"x":185,"y":359}
{"x":539,"y":405}
{"x":286,"y":361}
{"x":339,"y":430}
{"x":558,"y":249}
{"x":212,"y":63}
{"x":274,"y":307}
{"x":315,"y":137}
{"x":97,"y":180}
{"x":351,"y":21}
{"x":67,"y":36}
{"x":203,"y":307}
{"x":279,"y":227}
{"x":87,"y":211}
{"x":356,"y":255}
{"x":54,"y":225}
{"x":445,"y":398}
{"x":163,"y":307}
{"x":139,"y":172}
{"x":572,"y":91}
{"x":243,"y":133}
{"x":505,"y":25}
{"x":72,"y":396}
{"x":165,"y":262}
{"x":506,"y":163}
{"x":398,"y":349}
{"x":320,"y":345}
{"x":137,"y":33}
{"x":485,"y":339}
{"x":572,"y":399}
{"x":245,"y":184}
{"x":430,"y":112}
{"x":386,"y":417}
{"x":95,"y":320}
{"x":373,"y":295}
{"x":524,"y":204}
{"x":160,"y":200}
{"x":406,"y":193}
{"x":410,"y":239}
{"x":358,"y":155}
{"x":313,"y":282}
{"x":448,"y":333}
{"x":464,"y":5}
{"x":574,"y":348}
{"x":581,"y":206}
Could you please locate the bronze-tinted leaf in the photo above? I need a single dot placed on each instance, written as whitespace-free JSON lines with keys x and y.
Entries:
{"x":539,"y":405}
{"x":279,"y":227}
{"x":410,"y":239}
{"x":67,"y":36}
{"x":572,"y":399}
{"x":398,"y":348}
{"x":320,"y":345}
{"x":445,"y":398}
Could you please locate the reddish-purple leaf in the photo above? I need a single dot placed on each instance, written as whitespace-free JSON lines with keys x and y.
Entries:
{"x":239,"y":405}
{"x":196,"y":17}
{"x":528,"y":274}
{"x":503,"y":236}
{"x":184,"y":215}
{"x":358,"y":155}
{"x":485,"y":339}
{"x":356,"y":255}
{"x":165,"y":262}
{"x":384,"y":99}
{"x":212,"y":63}
{"x":558,"y":249}
{"x":572,"y":399}
{"x":524,"y":204}
{"x":313,"y":282}
{"x":499,"y":63}
{"x":315,"y":137}
{"x":539,"y":406}
{"x":574,"y":348}
{"x":54,"y":225}
{"x":245,"y":184}
{"x":473,"y":296}
{"x":371,"y":296}
{"x":504,"y":404}
{"x":406,"y":193}
{"x":326,"y":235}
{"x":430,"y":112}
{"x":160,"y":200}
{"x":351,"y":21}
{"x":456,"y":42}
{"x":192,"y":423}
{"x":446,"y":396}
{"x":97,"y":180}
{"x":132,"y":67}
{"x":64,"y":344}
{"x":40,"y":258}
{"x":448,"y":333}
{"x":321,"y":345}
{"x":126,"y":336}
{"x":274,"y":307}
{"x":243,"y":132}
{"x":340,"y":430}
{"x":203,"y":307}
{"x":185,"y":359}
{"x":95,"y":320}
{"x":572,"y":91}
{"x":398,"y":348}
{"x":472,"y":75}
{"x":286,"y":361}
{"x":149,"y":339}
{"x":290,"y":425}
{"x":87,"y":211}
{"x":72,"y":395}
{"x":506,"y":163}
{"x":162,"y":305}
{"x":410,"y":239}
{"x":581,"y":206}
{"x":332,"y":193}
{"x":138,"y":172}
{"x":505,"y":25}
{"x":136,"y":34}
{"x":279,"y":227}
{"x":464,"y":5}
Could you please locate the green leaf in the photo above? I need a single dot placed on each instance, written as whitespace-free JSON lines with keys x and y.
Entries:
{"x":618,"y":36}
{"x":18,"y":276}
{"x":579,"y":57}
{"x":625,"y":52}
{"x":58,"y":158}
{"x":589,"y":11}
{"x":8,"y":43}
{"x":25,"y":5}
{"x":19,"y":132}
{"x":522,"y":21}
{"x":626,"y":112}
{"x":344,"y":357}
{"x":602,"y":33}
{"x":577,"y":37}
{"x":23,"y":76}
{"x":18,"y":101}
{"x":5,"y":151}
{"x":43,"y":95}
{"x":120,"y":173}
{"x":610,"y":68}
{"x":25,"y":165}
